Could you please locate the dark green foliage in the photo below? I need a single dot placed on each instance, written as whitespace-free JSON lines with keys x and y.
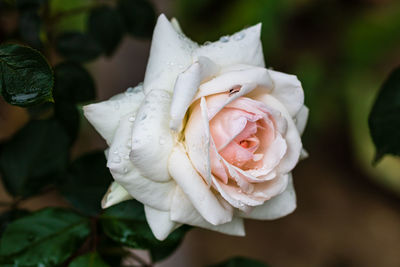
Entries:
{"x":73,"y":83}
{"x":126,"y":223}
{"x":86,"y":182}
{"x":91,"y":259}
{"x":9,"y":216}
{"x":139,"y":17}
{"x":78,"y":46}
{"x":25,"y":76}
{"x":30,"y":4}
{"x":68,"y":115}
{"x":34,"y":157}
{"x":106,"y":27}
{"x":29,"y":25}
{"x":240,"y":262}
{"x":44,"y":238}
{"x":384,"y":119}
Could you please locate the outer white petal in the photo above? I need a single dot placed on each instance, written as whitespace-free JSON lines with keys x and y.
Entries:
{"x":196,"y":189}
{"x":288,"y":91}
{"x":170,"y":54}
{"x":301,"y":119}
{"x":175,"y":24}
{"x":292,"y":136}
{"x":279,"y":206}
{"x":243,"y":47}
{"x":160,"y":222}
{"x":197,"y":138}
{"x":105,"y":116}
{"x":115,"y":194}
{"x":228,"y":80}
{"x":154,"y":194}
{"x":184,"y":212}
{"x":151,"y":137}
{"x":186,"y":87}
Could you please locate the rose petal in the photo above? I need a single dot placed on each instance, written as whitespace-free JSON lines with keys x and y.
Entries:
{"x":197,"y":138}
{"x":151,"y":137}
{"x":277,"y":207}
{"x":160,"y":222}
{"x":288,"y":91}
{"x":271,"y":188}
{"x":235,"y":196}
{"x":170,"y":54}
{"x":186,"y":87}
{"x":115,"y":194}
{"x":202,"y":198}
{"x":144,"y":190}
{"x":175,"y":24}
{"x":226,"y":81}
{"x":291,"y":137}
{"x":243,"y":47}
{"x":105,"y":116}
{"x":184,"y":212}
{"x":301,"y":119}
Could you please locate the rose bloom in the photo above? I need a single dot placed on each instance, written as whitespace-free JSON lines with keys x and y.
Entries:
{"x":209,"y":138}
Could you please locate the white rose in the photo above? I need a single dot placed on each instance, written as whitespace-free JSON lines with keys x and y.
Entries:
{"x":210,"y":138}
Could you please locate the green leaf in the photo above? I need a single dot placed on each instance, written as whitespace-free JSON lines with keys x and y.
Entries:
{"x":86,"y":182}
{"x":240,"y":262}
{"x":25,"y":76}
{"x":77,"y":46}
{"x":384,"y":119}
{"x":126,"y":223}
{"x":34,"y":157}
{"x":106,"y":27}
{"x":91,"y":259}
{"x":29,"y":25}
{"x":9,"y":216}
{"x":73,"y":83}
{"x":44,"y":238}
{"x":139,"y":17}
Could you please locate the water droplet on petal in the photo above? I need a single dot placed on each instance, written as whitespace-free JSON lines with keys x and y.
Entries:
{"x":224,"y":39}
{"x":239,"y":36}
{"x":131,"y":119}
{"x":115,"y":151}
{"x":144,"y":116}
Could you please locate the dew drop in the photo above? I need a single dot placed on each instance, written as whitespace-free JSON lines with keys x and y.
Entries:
{"x":115,"y":151}
{"x":131,"y":118}
{"x":239,"y":36}
{"x":144,"y":116}
{"x":224,"y":39}
{"x":130,"y":90}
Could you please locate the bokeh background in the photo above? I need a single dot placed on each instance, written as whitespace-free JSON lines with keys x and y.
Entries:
{"x":341,"y":50}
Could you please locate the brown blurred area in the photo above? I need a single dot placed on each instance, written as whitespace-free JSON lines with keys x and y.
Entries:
{"x":343,"y":219}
